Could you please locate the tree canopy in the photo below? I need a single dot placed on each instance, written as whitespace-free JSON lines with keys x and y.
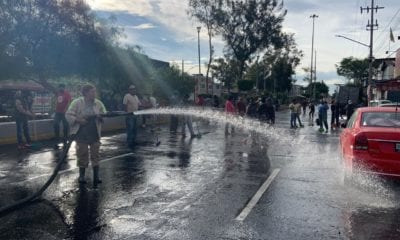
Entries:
{"x":353,"y":69}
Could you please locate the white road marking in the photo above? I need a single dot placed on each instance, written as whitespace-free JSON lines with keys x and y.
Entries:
{"x":245,"y":212}
{"x":72,"y":169}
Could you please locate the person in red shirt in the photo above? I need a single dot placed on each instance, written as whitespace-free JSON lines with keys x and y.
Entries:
{"x":229,"y":110}
{"x":200,"y":101}
{"x":63,"y":99}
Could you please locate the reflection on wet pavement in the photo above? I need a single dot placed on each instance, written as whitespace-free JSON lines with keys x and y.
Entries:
{"x":194,"y":188}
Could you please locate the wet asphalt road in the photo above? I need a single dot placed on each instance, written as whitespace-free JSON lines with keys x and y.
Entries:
{"x":195,"y":188}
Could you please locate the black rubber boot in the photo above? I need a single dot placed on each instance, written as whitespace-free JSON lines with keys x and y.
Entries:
{"x":96,"y":178}
{"x":81,"y":178}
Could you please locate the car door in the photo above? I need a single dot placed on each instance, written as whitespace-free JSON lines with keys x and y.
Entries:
{"x":347,"y":136}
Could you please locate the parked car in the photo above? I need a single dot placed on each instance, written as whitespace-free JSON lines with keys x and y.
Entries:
{"x":371,"y":141}
{"x":375,"y":103}
{"x":391,"y":104}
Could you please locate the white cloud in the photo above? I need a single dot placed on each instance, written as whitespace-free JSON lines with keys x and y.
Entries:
{"x":335,"y":17}
{"x":144,"y":26}
{"x":139,"y":7}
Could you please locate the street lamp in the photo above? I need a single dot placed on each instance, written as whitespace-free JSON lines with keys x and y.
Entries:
{"x":371,"y":59}
{"x":312,"y":53}
{"x":198,"y":43}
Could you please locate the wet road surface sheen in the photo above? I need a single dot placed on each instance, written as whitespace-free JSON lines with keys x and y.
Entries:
{"x":195,"y":188}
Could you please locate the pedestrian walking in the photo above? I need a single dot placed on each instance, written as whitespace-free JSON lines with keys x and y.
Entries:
{"x":323,"y":116}
{"x":298,"y":108}
{"x":84,"y":116}
{"x":293,"y":112}
{"x":22,"y":112}
{"x":311,"y":106}
{"x":131,"y":103}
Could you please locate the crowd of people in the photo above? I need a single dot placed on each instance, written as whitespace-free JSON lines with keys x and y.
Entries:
{"x":82,"y":117}
{"x":297,"y":106}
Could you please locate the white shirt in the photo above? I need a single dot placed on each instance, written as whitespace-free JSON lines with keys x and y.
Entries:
{"x":153,"y":102}
{"x":131,"y":102}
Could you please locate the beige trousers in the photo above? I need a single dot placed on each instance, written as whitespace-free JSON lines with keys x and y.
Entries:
{"x":82,"y":153}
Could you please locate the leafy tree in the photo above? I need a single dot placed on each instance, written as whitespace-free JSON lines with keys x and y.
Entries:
{"x":249,"y":27}
{"x":203,"y":11}
{"x":321,"y":89}
{"x":43,"y":39}
{"x":353,"y":69}
{"x":226,"y":70}
{"x":170,"y":81}
{"x":245,"y":85}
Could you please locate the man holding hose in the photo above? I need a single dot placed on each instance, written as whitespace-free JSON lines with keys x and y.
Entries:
{"x":84,"y":116}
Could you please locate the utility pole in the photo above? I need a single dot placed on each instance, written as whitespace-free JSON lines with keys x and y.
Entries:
{"x":198,"y":47}
{"x":371,"y":26}
{"x":315,"y":75}
{"x":312,"y":52}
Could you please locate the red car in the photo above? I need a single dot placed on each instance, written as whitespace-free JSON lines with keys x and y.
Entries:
{"x":371,"y":141}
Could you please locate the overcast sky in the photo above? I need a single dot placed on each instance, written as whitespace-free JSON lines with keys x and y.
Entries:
{"x":165,"y":32}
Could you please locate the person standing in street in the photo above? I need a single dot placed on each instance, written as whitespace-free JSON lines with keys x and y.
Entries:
{"x":63,"y":99}
{"x":298,"y":108}
{"x":229,"y":110}
{"x":311,"y":113}
{"x":293,"y":112}
{"x":187,"y":119}
{"x":241,"y":107}
{"x":174,"y":120}
{"x":21,"y":114}
{"x":131,"y":103}
{"x":84,"y":116}
{"x":335,"y":115}
{"x":349,"y":110}
{"x":323,"y":116}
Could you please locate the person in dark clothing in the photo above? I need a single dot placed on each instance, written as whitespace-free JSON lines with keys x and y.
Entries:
{"x":311,"y":106}
{"x":270,"y":111}
{"x":174,"y":121}
{"x":22,"y":113}
{"x":304,"y":106}
{"x":215,"y":101}
{"x":251,"y":109}
{"x":349,"y":110}
{"x":241,"y":107}
{"x":335,"y":115}
{"x":262,"y":110}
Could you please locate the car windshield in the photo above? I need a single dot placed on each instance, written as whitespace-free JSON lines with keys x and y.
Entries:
{"x":380,"y":119}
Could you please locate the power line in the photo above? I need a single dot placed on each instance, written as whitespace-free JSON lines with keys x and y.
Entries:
{"x":384,"y":32}
{"x":371,"y":27}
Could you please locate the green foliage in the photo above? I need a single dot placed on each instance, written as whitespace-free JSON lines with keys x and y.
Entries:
{"x":168,"y":81}
{"x":245,"y":85}
{"x":42,"y":39}
{"x":249,"y":27}
{"x":321,"y":90}
{"x":353,"y":69}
